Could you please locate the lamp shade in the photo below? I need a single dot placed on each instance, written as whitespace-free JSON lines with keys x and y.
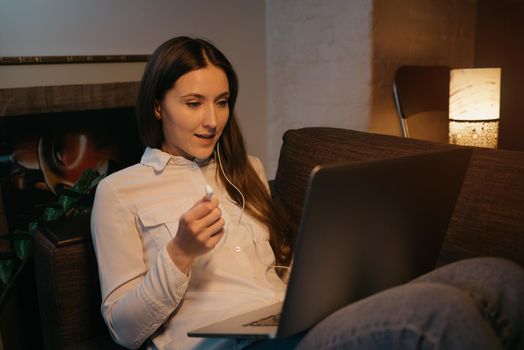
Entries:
{"x":474,"y":106}
{"x":474,"y":94}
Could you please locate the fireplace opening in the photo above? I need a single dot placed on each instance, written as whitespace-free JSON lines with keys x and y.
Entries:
{"x":41,"y":154}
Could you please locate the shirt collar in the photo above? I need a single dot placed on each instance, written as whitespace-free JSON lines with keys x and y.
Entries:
{"x":158,"y":159}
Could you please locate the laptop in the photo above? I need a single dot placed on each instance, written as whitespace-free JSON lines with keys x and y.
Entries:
{"x":365,"y":227}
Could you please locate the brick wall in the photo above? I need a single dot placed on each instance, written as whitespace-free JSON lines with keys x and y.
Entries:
{"x":319,"y":66}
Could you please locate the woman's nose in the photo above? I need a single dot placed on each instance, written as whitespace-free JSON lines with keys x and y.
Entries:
{"x":210,"y":119}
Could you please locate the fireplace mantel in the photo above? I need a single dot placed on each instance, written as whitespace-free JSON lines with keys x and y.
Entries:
{"x":64,"y":98}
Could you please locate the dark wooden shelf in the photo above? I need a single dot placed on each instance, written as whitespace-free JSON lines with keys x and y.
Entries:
{"x":64,"y":98}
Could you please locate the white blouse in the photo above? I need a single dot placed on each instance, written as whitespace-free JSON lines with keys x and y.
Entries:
{"x":144,"y":294}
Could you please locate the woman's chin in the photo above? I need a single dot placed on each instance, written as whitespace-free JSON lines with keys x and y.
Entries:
{"x":202,"y":153}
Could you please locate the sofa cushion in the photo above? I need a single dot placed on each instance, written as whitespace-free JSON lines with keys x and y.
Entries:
{"x":488,"y":219}
{"x":305,"y":148}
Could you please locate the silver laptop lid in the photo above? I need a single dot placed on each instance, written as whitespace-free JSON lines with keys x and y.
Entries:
{"x":366,"y":227}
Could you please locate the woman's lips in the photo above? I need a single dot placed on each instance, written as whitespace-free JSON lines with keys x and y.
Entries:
{"x":205,"y":139}
{"x":205,"y":136}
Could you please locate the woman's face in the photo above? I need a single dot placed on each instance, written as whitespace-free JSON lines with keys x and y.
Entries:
{"x":194,"y":113}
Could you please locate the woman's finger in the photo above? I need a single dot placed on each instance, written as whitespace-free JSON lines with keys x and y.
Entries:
{"x":212,"y":230}
{"x":210,"y":218}
{"x":201,"y":208}
{"x":214,"y":239}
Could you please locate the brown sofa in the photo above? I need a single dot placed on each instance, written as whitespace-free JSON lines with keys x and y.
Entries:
{"x":488,"y":220}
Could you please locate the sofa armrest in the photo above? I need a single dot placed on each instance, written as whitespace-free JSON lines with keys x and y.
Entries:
{"x":67,"y":285}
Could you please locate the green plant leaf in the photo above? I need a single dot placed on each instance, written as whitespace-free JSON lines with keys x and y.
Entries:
{"x":22,"y":248}
{"x":51,"y":214}
{"x":71,"y":192}
{"x":54,"y":205}
{"x":32,"y":227}
{"x":95,"y":182}
{"x":83,"y":184}
{"x":71,"y":201}
{"x":67,"y":202}
{"x":6,"y":270}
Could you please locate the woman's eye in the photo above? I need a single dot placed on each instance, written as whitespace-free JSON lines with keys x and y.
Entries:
{"x":223,"y":103}
{"x":192,"y":104}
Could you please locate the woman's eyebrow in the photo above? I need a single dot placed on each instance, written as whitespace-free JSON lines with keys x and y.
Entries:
{"x":224,"y":94}
{"x":194,"y":94}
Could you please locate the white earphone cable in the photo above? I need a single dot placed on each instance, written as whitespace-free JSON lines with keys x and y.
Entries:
{"x":227,"y":179}
{"x":243,"y":206}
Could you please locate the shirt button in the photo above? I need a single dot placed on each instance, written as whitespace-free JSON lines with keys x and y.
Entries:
{"x":237,"y":249}
{"x":195,"y":166}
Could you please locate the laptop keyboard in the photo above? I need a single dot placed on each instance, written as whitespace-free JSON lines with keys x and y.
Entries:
{"x":270,"y":321}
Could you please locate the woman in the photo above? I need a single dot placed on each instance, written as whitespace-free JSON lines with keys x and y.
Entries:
{"x":172,"y":259}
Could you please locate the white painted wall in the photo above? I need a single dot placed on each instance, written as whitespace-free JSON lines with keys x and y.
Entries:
{"x":97,"y":27}
{"x":319,"y":66}
{"x":300,"y":62}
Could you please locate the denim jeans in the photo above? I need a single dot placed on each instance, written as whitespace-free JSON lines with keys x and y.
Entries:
{"x":471,"y":304}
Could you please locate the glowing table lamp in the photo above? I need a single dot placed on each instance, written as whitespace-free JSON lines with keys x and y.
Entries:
{"x":474,"y":105}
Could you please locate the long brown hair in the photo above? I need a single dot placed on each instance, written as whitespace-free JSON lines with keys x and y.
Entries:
{"x":169,"y":62}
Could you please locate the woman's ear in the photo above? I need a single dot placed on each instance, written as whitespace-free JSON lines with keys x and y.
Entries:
{"x":158,"y":111}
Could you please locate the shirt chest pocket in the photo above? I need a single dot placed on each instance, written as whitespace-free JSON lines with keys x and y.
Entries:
{"x":159,"y":223}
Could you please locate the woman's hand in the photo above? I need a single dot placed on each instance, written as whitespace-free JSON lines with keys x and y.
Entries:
{"x":199,"y":231}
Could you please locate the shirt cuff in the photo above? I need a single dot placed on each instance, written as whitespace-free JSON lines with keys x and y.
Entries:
{"x":171,"y":282}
